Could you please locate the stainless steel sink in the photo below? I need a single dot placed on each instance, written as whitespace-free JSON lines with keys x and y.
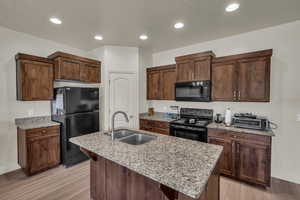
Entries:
{"x":131,"y":137}
{"x":121,"y":133}
{"x":138,"y":139}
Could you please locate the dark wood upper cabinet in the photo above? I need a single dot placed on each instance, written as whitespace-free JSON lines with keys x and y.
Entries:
{"x":76,"y":68}
{"x":161,"y":83}
{"x":185,"y":71}
{"x":254,"y":79}
{"x":153,"y":85}
{"x":90,"y":73}
{"x":67,"y":69}
{"x":194,"y":67}
{"x":224,"y":85}
{"x":168,"y":79}
{"x":243,"y":77}
{"x":34,"y":78}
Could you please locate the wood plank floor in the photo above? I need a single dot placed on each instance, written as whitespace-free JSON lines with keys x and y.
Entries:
{"x":73,"y":184}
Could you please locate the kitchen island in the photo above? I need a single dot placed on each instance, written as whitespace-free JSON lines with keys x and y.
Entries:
{"x":166,"y":168}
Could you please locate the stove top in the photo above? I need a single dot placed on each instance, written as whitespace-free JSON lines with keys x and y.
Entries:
{"x":194,"y":117}
{"x":191,"y":122}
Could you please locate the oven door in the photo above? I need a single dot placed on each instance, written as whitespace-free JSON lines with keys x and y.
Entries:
{"x":192,"y":133}
{"x":197,"y":91}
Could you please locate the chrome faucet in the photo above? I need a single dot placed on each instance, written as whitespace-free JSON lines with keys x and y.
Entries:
{"x":113,"y":122}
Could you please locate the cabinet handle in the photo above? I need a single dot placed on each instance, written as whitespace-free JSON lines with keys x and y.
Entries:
{"x":43,"y":131}
{"x":238,"y":148}
{"x":239,"y":95}
{"x":234,"y":94}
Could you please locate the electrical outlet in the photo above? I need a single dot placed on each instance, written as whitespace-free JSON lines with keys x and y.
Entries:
{"x":298,"y":117}
{"x":30,"y":112}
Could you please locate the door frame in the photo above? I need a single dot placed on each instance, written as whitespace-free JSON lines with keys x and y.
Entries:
{"x":136,"y":107}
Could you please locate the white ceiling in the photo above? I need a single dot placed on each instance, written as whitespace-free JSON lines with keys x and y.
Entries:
{"x":122,"y":21}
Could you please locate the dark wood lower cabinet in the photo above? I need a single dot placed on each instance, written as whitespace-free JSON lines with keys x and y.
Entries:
{"x":227,"y":160}
{"x":155,"y":126}
{"x":254,"y":163}
{"x":111,"y":181}
{"x":38,"y":149}
{"x":245,"y":157}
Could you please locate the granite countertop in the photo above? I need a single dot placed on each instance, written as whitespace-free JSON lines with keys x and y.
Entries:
{"x":240,"y":130}
{"x":35,"y":122}
{"x":158,"y":116}
{"x":183,"y":165}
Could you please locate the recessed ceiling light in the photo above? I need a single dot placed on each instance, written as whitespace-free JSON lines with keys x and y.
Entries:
{"x":179,"y":25}
{"x":55,"y":20}
{"x":143,"y":37}
{"x":232,"y":7}
{"x":98,"y":37}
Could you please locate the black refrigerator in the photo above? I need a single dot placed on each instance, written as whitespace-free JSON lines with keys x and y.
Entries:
{"x":77,"y":110}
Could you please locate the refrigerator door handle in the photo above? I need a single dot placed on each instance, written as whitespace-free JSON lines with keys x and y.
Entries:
{"x":68,"y":133}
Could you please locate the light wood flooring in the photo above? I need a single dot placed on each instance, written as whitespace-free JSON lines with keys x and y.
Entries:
{"x":73,"y":184}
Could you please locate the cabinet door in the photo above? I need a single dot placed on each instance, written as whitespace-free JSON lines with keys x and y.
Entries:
{"x":38,"y":155}
{"x":153,"y":85}
{"x":142,"y":188}
{"x":227,"y":160}
{"x":116,"y":187}
{"x":224,"y":82}
{"x":254,"y":79}
{"x":90,"y":73}
{"x":168,"y":79}
{"x":53,"y":151}
{"x":37,"y":81}
{"x":185,"y":71}
{"x":98,"y":179}
{"x":69,"y":70}
{"x":202,"y":69}
{"x":253,"y":163}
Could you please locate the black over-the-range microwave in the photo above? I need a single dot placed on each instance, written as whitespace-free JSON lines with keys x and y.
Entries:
{"x":197,"y":91}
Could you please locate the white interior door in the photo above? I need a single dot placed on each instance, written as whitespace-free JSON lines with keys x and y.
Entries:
{"x":123,"y":97}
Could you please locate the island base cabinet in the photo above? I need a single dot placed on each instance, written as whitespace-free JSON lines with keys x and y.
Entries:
{"x":111,"y":181}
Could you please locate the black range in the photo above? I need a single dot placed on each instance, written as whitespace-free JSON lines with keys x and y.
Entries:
{"x":192,"y":124}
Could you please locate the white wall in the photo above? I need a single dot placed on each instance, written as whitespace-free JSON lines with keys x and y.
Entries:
{"x":11,"y":43}
{"x":285,"y":88}
{"x":145,"y":60}
{"x":116,"y":59}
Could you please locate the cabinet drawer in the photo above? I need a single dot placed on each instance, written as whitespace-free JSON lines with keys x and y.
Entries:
{"x":161,"y":131}
{"x":223,"y":134}
{"x":164,"y":125}
{"x":151,"y":123}
{"x":41,"y":132}
{"x":257,"y":139}
{"x":144,"y":123}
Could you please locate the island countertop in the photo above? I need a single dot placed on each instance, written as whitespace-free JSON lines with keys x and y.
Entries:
{"x":183,"y":165}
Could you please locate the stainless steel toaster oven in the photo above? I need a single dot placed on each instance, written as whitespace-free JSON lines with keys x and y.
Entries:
{"x":258,"y":123}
